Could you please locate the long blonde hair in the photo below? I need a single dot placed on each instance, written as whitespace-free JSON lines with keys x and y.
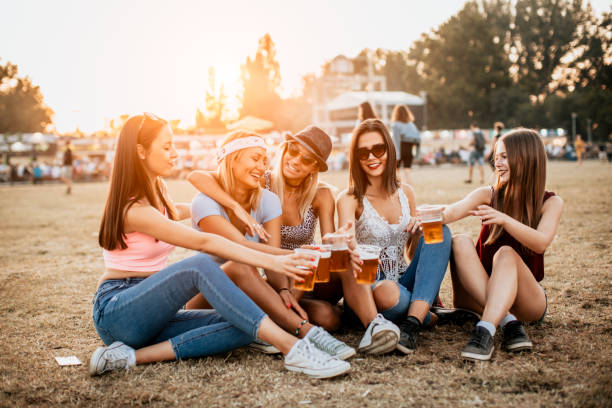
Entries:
{"x":225,"y":173}
{"x":308,"y":188}
{"x":522,"y":196}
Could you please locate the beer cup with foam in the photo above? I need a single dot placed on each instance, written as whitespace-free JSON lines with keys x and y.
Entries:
{"x":322,"y":274}
{"x":340,"y":257}
{"x":369,"y":255}
{"x":308,"y":283}
{"x":431,"y":222}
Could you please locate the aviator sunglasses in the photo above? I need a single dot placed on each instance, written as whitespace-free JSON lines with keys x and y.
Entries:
{"x":293,"y":150}
{"x":145,"y":116}
{"x":378,"y":150}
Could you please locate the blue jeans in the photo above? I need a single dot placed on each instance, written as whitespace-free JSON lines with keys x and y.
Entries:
{"x":145,"y":311}
{"x":423,"y":277}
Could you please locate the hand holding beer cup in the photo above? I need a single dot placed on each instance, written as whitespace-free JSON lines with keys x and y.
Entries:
{"x":369,"y":255}
{"x":339,"y":261}
{"x":308,"y":284}
{"x":431,"y":222}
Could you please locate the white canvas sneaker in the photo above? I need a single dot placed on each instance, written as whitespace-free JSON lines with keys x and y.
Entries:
{"x":117,"y":356}
{"x":380,"y":337}
{"x":306,"y":358}
{"x":324,"y":341}
{"x":263,"y":347}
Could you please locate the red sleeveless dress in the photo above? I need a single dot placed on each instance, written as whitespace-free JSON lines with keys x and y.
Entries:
{"x":535,"y":262}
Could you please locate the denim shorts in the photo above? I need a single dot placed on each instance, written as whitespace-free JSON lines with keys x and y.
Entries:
{"x":476,"y":156}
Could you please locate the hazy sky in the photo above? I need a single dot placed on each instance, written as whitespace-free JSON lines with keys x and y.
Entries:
{"x":97,"y":60}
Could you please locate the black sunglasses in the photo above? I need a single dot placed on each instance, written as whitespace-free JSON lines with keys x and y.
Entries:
{"x":293,"y":150}
{"x":378,"y":150}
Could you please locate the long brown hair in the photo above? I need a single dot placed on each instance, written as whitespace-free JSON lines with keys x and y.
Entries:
{"x":521,"y":197}
{"x":402,"y":113}
{"x":358,"y":180}
{"x":129,"y":181}
{"x":225,"y":173}
{"x":366,"y":112}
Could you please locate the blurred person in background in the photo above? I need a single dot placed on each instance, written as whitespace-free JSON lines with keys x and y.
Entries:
{"x":498,"y":127}
{"x":67,"y":169}
{"x":580,"y":148}
{"x":406,"y":137}
{"x":478,"y":145}
{"x":138,"y":307}
{"x":305,"y":202}
{"x":500,"y":277}
{"x":365,"y":112}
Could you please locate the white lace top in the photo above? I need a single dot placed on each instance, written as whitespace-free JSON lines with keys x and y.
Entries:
{"x":372,"y":229}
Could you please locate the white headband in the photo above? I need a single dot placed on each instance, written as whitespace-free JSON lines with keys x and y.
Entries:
{"x":239,"y":144}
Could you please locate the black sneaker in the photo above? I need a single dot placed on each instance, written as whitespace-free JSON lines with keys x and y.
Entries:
{"x":515,"y":338}
{"x":457,"y":317}
{"x":480,"y":347}
{"x":409,"y":334}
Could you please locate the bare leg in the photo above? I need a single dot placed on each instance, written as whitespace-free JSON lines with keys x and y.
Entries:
{"x":512,"y":287}
{"x":322,"y":313}
{"x":469,"y":277}
{"x":358,"y":297}
{"x":248,"y":279}
{"x":157,"y":352}
{"x":470,"y":173}
{"x":481,"y":170}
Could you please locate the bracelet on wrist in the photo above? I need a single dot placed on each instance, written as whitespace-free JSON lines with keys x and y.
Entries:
{"x":281,"y":289}
{"x":297,"y":331}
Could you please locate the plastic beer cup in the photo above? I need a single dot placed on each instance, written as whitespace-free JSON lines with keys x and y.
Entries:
{"x":322,"y":274}
{"x":369,"y":254}
{"x":308,"y":283}
{"x":431,"y":222}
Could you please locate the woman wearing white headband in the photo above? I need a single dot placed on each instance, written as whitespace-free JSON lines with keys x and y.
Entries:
{"x":306,"y":201}
{"x":242,"y":162}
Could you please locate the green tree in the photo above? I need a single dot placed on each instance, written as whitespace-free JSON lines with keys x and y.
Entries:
{"x":22,"y":108}
{"x":261,"y":80}
{"x":463,"y":65}
{"x":543,"y":32}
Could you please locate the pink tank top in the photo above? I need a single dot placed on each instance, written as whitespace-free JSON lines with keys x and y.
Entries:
{"x":143,"y":254}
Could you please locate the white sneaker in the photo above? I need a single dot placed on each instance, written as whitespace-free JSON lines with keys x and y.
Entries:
{"x":380,"y":337}
{"x":305,"y":358}
{"x":324,"y":341}
{"x":263,"y":347}
{"x":117,"y":356}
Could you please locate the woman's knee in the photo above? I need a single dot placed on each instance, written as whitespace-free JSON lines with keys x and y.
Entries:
{"x":505,"y":255}
{"x":241,"y":273}
{"x":461,"y":243}
{"x":386,"y":295}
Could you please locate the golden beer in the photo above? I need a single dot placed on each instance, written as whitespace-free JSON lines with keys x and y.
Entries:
{"x":431,"y":222}
{"x":307,"y":285}
{"x":322,"y":274}
{"x":368,"y":271}
{"x":433,"y":232}
{"x":339,"y":260}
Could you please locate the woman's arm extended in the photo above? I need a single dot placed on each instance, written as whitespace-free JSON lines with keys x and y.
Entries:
{"x":461,"y":209}
{"x":535,"y":239}
{"x":207,"y":183}
{"x":147,"y":220}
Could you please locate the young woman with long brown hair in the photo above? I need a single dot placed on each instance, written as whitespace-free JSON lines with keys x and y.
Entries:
{"x":499,"y":277}
{"x":138,"y":304}
{"x":383,"y":212}
{"x":405,"y":136}
{"x":305,"y":200}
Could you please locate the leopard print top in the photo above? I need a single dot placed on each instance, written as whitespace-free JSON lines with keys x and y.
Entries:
{"x":294,"y":236}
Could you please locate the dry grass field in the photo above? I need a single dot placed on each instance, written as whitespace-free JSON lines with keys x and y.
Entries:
{"x":50,"y":262}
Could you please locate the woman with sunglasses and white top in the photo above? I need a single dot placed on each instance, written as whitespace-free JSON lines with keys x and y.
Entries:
{"x":383,"y":212}
{"x":137,"y":308}
{"x":305,"y":201}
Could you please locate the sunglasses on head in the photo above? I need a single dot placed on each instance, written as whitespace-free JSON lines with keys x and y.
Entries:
{"x":378,"y":150}
{"x":293,"y":150}
{"x":150,"y":116}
